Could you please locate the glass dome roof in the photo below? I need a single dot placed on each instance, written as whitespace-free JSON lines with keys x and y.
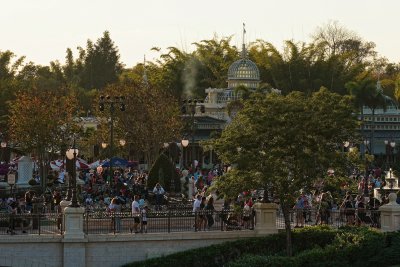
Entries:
{"x":243,"y":69}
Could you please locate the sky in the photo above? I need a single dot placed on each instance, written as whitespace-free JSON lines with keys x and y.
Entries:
{"x":42,"y":30}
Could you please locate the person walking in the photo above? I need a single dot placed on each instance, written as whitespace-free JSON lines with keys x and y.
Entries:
{"x":135,"y":214}
{"x":115,"y":210}
{"x":209,"y":209}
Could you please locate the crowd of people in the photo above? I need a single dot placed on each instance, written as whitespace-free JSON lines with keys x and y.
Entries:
{"x":126,"y":189}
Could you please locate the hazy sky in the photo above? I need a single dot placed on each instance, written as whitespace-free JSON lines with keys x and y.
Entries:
{"x":43,"y":29}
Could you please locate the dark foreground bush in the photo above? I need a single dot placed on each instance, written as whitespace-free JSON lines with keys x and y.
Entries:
{"x":350,"y":247}
{"x":219,"y":255}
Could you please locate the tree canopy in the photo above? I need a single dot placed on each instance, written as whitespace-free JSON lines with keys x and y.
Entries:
{"x":284,"y":143}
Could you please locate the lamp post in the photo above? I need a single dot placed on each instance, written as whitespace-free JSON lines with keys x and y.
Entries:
{"x":3,"y":146}
{"x":189,"y":107}
{"x":389,"y":151}
{"x":184,"y":143}
{"x":111,"y":102}
{"x":122,"y":143}
{"x":71,"y":155}
{"x":366,"y":143}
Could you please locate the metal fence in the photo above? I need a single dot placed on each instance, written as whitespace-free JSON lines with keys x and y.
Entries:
{"x":28,"y":223}
{"x":166,"y":222}
{"x":179,"y":220}
{"x":334,"y":218}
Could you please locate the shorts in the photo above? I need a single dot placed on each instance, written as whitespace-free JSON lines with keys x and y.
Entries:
{"x":136,"y":219}
{"x":144,"y":222}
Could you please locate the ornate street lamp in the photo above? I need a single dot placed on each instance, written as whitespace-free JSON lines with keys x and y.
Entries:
{"x":111,"y":102}
{"x":185,"y":142}
{"x":189,"y":107}
{"x":122,"y":142}
{"x":366,"y":193}
{"x":71,"y":155}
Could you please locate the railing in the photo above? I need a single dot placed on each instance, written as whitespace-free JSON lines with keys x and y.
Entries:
{"x":40,"y":223}
{"x":334,"y":218}
{"x":181,"y":220}
{"x":166,"y":222}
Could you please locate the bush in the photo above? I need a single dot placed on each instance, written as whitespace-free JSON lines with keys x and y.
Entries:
{"x":161,"y":172}
{"x":218,"y":255}
{"x":312,"y":246}
{"x":350,"y":247}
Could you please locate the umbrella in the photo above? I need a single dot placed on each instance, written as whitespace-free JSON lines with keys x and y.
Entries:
{"x":115,"y":162}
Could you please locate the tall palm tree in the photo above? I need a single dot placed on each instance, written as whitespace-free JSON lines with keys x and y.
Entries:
{"x":368,"y":93}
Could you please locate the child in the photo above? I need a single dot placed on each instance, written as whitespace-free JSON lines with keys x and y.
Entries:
{"x":144,"y":219}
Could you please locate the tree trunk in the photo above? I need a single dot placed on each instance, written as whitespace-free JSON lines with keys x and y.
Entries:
{"x":286,"y":215}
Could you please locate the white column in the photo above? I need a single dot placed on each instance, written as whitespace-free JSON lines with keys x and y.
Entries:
{"x":73,"y":223}
{"x":390,"y":215}
{"x":265,"y":218}
{"x":74,"y":238}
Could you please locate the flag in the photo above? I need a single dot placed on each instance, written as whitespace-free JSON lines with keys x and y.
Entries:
{"x":244,"y":30}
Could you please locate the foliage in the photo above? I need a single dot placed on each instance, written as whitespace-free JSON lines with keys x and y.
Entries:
{"x":335,"y":57}
{"x":151,"y":118}
{"x":284,"y":143}
{"x":163,"y":172}
{"x":97,"y":66}
{"x":350,"y":247}
{"x":313,"y":246}
{"x":41,"y":121}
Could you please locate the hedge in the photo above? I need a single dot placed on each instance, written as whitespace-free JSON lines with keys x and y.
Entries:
{"x":350,"y":247}
{"x":218,"y":255}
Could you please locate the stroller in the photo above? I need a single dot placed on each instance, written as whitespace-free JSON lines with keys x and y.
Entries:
{"x":231,"y":221}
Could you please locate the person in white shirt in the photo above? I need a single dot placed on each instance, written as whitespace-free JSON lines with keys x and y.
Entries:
{"x":135,"y":214}
{"x":115,"y":209}
{"x":196,"y":203}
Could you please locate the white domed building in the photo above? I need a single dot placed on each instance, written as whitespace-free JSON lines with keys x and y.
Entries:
{"x":242,"y":72}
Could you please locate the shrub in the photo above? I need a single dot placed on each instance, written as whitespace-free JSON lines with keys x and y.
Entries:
{"x":218,"y":255}
{"x":313,"y":246}
{"x":161,"y":172}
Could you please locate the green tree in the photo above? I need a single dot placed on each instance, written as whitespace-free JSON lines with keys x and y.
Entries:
{"x":283,"y":143}
{"x":215,"y":57}
{"x":8,"y":84}
{"x":40,"y":121}
{"x":151,"y":118}
{"x":96,"y":66}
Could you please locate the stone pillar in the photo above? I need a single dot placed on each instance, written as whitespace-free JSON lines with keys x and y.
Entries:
{"x":390,"y":215}
{"x":74,"y":223}
{"x":265,"y":218}
{"x":74,"y":238}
